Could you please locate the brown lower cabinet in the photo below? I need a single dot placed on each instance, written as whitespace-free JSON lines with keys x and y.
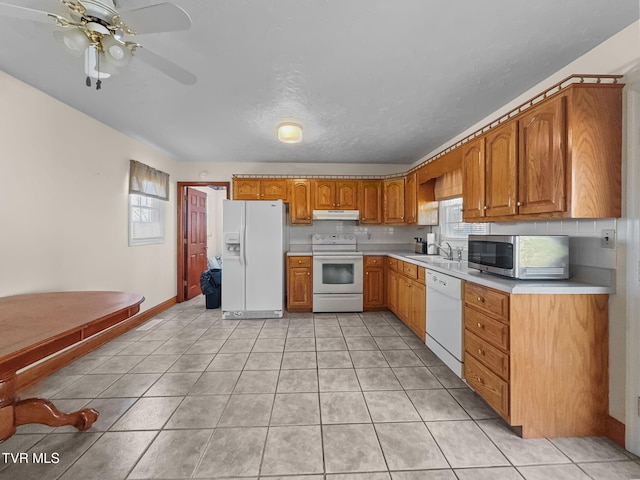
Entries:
{"x":406,"y":294}
{"x":299,"y":284}
{"x":540,"y":361}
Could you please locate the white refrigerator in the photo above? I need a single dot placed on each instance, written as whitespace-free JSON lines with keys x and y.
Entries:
{"x":254,"y":245}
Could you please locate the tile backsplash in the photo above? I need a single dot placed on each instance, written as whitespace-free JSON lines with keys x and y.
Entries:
{"x":584,"y":238}
{"x":365,"y":234}
{"x":584,"y":241}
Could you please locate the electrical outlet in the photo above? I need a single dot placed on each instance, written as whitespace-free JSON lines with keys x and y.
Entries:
{"x":608,"y":239}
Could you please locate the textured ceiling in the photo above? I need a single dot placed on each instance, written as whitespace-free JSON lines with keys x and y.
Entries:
{"x":371,"y":81}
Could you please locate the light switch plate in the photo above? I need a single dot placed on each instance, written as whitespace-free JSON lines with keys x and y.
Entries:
{"x":608,"y":238}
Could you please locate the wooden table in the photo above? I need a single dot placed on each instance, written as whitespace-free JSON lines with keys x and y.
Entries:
{"x":35,"y":326}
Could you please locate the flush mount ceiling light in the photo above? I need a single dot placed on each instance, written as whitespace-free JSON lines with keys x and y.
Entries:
{"x":289,"y":132}
{"x":93,"y":29}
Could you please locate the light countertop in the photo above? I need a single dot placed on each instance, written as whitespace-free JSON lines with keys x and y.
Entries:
{"x":462,"y":271}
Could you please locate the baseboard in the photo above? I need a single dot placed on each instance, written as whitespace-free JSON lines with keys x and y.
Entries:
{"x":55,"y":362}
{"x":615,"y":430}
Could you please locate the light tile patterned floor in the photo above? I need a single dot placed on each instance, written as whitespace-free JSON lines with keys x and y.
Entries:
{"x":325,"y":396}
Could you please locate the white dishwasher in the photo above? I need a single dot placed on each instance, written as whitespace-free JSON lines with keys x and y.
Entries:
{"x":444,"y":319}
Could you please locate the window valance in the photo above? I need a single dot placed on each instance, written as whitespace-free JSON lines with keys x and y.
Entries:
{"x":145,"y":180}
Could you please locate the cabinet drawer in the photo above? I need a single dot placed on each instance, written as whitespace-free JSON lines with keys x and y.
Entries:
{"x":410,"y":270}
{"x":488,"y":329}
{"x":489,"y":386}
{"x":496,"y":360}
{"x":299,"y":261}
{"x":373,"y":261}
{"x":392,"y":263}
{"x":491,"y":301}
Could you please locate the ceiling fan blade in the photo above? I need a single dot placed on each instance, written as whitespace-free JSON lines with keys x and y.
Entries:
{"x":23,"y":13}
{"x":162,"y":17}
{"x":165,"y":66}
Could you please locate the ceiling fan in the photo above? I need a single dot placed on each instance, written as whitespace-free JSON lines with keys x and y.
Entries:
{"x":96,"y":30}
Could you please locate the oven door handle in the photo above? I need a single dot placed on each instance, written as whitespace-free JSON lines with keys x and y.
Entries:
{"x":337,"y":257}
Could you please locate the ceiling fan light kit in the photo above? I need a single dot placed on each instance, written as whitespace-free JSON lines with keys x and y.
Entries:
{"x":96,"y":30}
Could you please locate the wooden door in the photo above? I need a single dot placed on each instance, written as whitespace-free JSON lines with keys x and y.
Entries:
{"x":411,"y":198}
{"x":501,"y":170}
{"x":542,"y":158}
{"x":246,"y":189}
{"x":196,"y":237}
{"x":393,"y":201}
{"x":300,"y":202}
{"x":346,"y":194}
{"x":273,"y":189}
{"x":473,"y":185}
{"x":324,"y":194}
{"x":369,"y":201}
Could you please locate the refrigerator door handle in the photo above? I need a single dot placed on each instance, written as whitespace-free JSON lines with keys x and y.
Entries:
{"x":245,"y":230}
{"x":241,"y":238}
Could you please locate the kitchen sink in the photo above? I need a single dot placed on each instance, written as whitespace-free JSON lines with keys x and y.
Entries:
{"x":435,"y":260}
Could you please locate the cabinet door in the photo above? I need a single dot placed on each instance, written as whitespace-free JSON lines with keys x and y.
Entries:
{"x":411,"y":198}
{"x":501,"y":170}
{"x":299,"y":288}
{"x":273,"y":189}
{"x":418,"y":309}
{"x":473,"y":187}
{"x":404,"y":300}
{"x":246,"y":189}
{"x":542,"y":158}
{"x":300,"y":202}
{"x":346,"y":195}
{"x":392,"y":290}
{"x":370,"y":201}
{"x":393,"y":201}
{"x":373,"y":287}
{"x":324,"y":193}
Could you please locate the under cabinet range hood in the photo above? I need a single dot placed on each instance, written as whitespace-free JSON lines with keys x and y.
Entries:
{"x":336,"y":215}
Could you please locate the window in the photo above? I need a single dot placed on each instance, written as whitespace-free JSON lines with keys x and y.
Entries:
{"x":146,"y":220}
{"x":451,"y":224}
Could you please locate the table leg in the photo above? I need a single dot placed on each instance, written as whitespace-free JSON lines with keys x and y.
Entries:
{"x":35,"y":410}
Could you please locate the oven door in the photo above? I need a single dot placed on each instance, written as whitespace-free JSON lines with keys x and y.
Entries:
{"x":337,"y":274}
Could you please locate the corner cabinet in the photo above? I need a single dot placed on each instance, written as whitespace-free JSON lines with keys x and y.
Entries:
{"x":559,"y":158}
{"x":537,"y":362}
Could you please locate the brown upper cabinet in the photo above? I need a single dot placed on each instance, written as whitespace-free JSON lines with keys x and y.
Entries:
{"x":393,"y":200}
{"x":259,"y":189}
{"x":300,"y":201}
{"x":560,"y":158}
{"x":411,"y":198}
{"x":335,"y":194}
{"x":370,"y":201}
{"x":490,"y":173}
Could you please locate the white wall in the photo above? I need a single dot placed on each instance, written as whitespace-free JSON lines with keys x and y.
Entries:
{"x":64,"y":203}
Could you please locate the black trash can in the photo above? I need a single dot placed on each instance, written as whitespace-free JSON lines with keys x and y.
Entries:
{"x":211,"y":286}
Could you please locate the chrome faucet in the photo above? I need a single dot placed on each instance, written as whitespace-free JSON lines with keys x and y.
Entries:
{"x":449,"y":252}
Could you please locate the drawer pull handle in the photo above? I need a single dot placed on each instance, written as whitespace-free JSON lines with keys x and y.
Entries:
{"x":480,"y":352}
{"x":480,"y":325}
{"x":480,"y":299}
{"x":299,"y":261}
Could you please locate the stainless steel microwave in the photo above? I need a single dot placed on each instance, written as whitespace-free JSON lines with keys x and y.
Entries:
{"x":526,"y":257}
